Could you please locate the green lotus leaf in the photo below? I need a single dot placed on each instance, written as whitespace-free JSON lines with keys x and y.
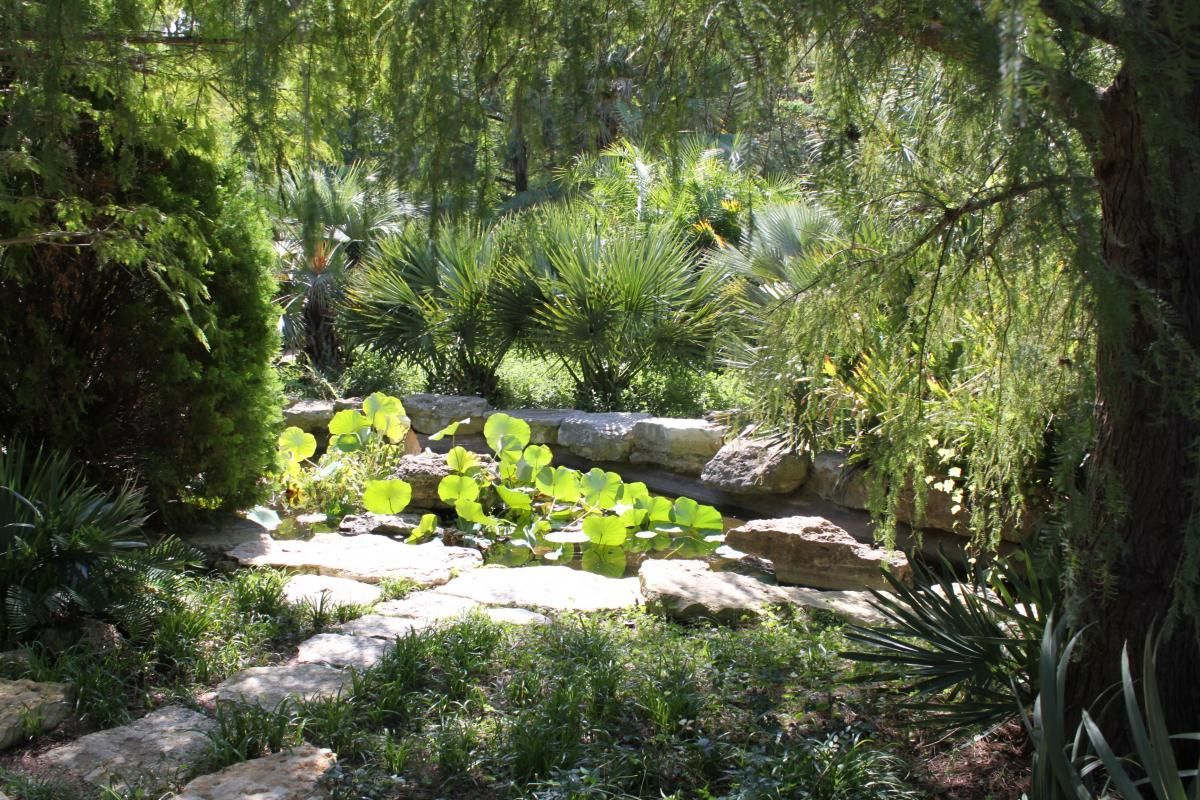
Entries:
{"x":501,"y":426}
{"x":348,"y":422}
{"x":600,"y":488}
{"x":453,"y":488}
{"x":606,"y":531}
{"x":607,"y":561}
{"x":472,"y":511}
{"x":461,"y":460}
{"x":660,"y":509}
{"x":690,"y":514}
{"x":297,"y":444}
{"x":449,"y":430}
{"x":387,"y":496}
{"x":514,"y":499}
{"x":346,"y":442}
{"x":632,"y":492}
{"x":538,"y":456}
{"x":398,"y":428}
{"x":381,"y":409}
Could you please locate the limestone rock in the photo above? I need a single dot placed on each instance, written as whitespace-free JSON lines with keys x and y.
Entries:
{"x":399,"y":525}
{"x":290,"y":775}
{"x":680,"y":445}
{"x":338,"y":650}
{"x":423,"y":471}
{"x":29,"y":707}
{"x":835,"y":480}
{"x":156,"y":750}
{"x":543,"y":422}
{"x":271,"y":686}
{"x":432,"y":412}
{"x":599,"y":437}
{"x":219,"y":532}
{"x":814,"y":552}
{"x":854,"y":605}
{"x":756,"y":466}
{"x":378,"y":626}
{"x":337,"y":591}
{"x":551,"y":587}
{"x":310,"y":416}
{"x":362,"y":558}
{"x":687,"y":589}
{"x":430,"y":607}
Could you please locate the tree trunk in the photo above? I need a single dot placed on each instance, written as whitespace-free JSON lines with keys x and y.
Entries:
{"x":1142,"y":482}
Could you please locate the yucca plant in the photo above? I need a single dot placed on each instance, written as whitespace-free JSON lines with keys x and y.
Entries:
{"x":965,"y":648}
{"x":67,"y":549}
{"x":330,"y":220}
{"x":610,"y":304}
{"x":440,"y":301}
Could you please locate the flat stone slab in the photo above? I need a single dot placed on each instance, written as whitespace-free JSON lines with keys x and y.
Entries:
{"x":338,"y":650}
{"x":380,"y":627}
{"x":154,"y":751}
{"x":756,"y":466}
{"x":688,"y":590}
{"x":379,"y":524}
{"x":680,"y":445}
{"x":432,"y":412}
{"x":812,"y":551}
{"x":218,"y":533}
{"x":338,"y":591}
{"x":429,"y":608}
{"x":31,"y":707}
{"x":554,"y":588}
{"x":269,"y":687}
{"x":290,"y":775}
{"x":362,"y":558}
{"x":543,"y":422}
{"x":600,"y":437}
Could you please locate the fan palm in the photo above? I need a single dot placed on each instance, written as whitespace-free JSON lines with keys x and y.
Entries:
{"x":331,"y":220}
{"x":436,"y":300}
{"x":608,"y":306}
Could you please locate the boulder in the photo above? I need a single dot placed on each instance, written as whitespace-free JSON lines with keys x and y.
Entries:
{"x":687,"y":590}
{"x":423,"y":471}
{"x":812,"y":551}
{"x":551,"y":587}
{"x":313,"y":589}
{"x":432,"y":412}
{"x":29,"y":707}
{"x":756,"y":466}
{"x":156,"y":750}
{"x":398,"y":525}
{"x":269,"y":687}
{"x":362,"y":558}
{"x":337,"y":650}
{"x":836,"y":480}
{"x":680,"y":445}
{"x":290,"y":775}
{"x":543,"y":422}
{"x":216,"y":533}
{"x":310,"y":416}
{"x":599,"y":437}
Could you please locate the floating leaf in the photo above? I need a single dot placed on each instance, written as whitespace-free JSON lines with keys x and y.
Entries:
{"x":508,"y":554}
{"x":348,"y":422}
{"x":600,"y":488}
{"x":453,"y":488}
{"x":606,"y":531}
{"x":538,"y":456}
{"x":296,"y":444}
{"x":500,"y":426}
{"x":461,"y":460}
{"x":386,"y":497}
{"x":607,"y":561}
{"x":567,"y":536}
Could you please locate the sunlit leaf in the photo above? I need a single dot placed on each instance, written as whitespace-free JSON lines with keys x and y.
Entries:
{"x":606,"y":531}
{"x":449,"y":430}
{"x":387,"y":496}
{"x":514,"y":499}
{"x":538,"y":456}
{"x":297,"y":444}
{"x":453,"y":488}
{"x":499,"y":426}
{"x":348,"y":422}
{"x":461,"y":460}
{"x":690,"y":514}
{"x":381,"y":409}
{"x":607,"y":561}
{"x":600,"y":488}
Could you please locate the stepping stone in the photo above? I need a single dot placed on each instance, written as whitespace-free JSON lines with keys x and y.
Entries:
{"x":343,"y":651}
{"x":157,"y":750}
{"x":812,"y":551}
{"x":338,"y":591}
{"x":290,"y":775}
{"x":29,"y":707}
{"x":430,"y":607}
{"x":269,"y":687}
{"x":395,"y":525}
{"x":551,"y":587}
{"x":688,"y":590}
{"x":362,"y":558}
{"x":378,"y":626}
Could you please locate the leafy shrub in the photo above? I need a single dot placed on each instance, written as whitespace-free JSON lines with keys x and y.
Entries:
{"x":70,"y":550}
{"x":370,"y":371}
{"x":153,"y":345}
